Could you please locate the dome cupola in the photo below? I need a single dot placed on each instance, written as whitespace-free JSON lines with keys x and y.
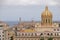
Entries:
{"x":46,"y":13}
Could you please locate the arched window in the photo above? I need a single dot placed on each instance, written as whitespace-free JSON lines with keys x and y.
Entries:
{"x":28,"y":34}
{"x":31,"y":34}
{"x":54,"y":29}
{"x":46,"y":20}
{"x":25,"y":34}
{"x":47,"y":33}
{"x":57,"y":29}
{"x":51,"y":34}
{"x":55,"y":34}
{"x":41,"y":34}
{"x":35,"y":34}
{"x":22,"y":34}
{"x":49,"y":20}
{"x":59,"y":25}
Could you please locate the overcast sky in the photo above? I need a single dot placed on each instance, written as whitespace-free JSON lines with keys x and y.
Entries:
{"x":11,"y":10}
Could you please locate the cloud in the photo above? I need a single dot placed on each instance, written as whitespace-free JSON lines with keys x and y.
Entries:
{"x":28,"y":2}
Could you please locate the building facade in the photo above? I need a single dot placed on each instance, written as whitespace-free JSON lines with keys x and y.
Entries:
{"x":44,"y":30}
{"x":3,"y":27}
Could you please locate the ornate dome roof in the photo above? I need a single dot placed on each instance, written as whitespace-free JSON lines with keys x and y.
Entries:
{"x":46,"y":13}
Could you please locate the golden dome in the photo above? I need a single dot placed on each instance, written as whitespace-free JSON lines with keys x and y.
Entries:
{"x":46,"y":13}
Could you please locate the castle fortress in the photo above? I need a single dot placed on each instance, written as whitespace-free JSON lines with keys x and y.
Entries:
{"x":32,"y":30}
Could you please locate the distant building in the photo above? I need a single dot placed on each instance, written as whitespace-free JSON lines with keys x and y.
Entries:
{"x":3,"y":27}
{"x":38,"y":30}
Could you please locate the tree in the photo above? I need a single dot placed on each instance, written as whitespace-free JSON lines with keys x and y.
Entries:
{"x":50,"y":38}
{"x":42,"y":38}
{"x":11,"y":38}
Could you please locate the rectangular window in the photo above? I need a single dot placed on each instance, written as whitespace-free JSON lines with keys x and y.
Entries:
{"x":3,"y":35}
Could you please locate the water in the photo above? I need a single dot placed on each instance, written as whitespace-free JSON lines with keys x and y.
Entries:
{"x":11,"y":23}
